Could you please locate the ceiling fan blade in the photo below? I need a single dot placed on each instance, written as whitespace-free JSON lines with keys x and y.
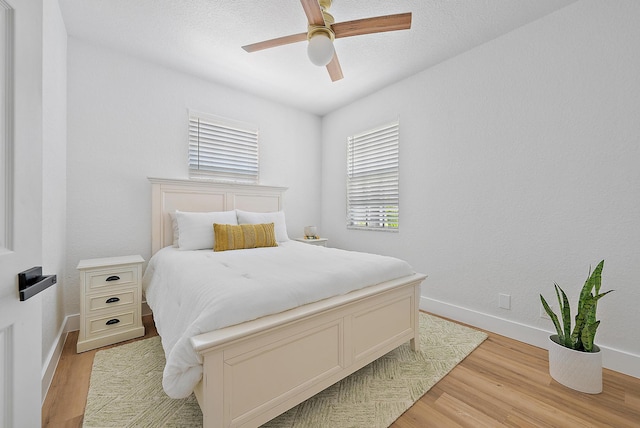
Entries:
{"x":378,"y":24}
{"x":334,"y":69}
{"x":313,"y":12}
{"x":293,"y":38}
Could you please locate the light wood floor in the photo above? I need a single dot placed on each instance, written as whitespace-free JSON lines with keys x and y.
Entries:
{"x":502,"y":383}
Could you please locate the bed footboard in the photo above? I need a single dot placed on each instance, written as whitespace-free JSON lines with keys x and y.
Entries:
{"x":257,"y":370}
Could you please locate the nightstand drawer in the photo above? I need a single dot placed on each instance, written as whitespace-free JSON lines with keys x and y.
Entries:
{"x":112,"y":300}
{"x":110,"y":323}
{"x":112,"y":277}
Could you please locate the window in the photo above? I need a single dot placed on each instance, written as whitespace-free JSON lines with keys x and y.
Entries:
{"x":372,"y":179}
{"x":222,"y":148}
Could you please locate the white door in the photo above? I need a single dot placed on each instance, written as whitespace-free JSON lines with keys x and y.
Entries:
{"x":20,"y":210}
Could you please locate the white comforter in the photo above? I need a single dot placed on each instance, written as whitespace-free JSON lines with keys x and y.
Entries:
{"x":192,"y":292}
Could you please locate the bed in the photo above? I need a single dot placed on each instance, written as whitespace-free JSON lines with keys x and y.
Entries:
{"x":252,"y":371}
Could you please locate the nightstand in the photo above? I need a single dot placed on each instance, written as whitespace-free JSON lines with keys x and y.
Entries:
{"x":314,"y":241}
{"x":110,"y":301}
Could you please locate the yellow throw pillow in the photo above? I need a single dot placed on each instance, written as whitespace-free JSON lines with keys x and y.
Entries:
{"x":243,"y":236}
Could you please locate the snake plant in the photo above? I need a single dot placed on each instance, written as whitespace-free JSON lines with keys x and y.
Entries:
{"x":584,"y":330}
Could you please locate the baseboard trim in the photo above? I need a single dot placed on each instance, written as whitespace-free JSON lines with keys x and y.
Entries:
{"x":613,"y":359}
{"x":51,"y":362}
{"x":49,"y":368}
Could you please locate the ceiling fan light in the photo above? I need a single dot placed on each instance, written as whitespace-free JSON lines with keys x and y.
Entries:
{"x":320,"y":49}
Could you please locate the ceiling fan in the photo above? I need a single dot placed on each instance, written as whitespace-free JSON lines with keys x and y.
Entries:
{"x":323,"y":30}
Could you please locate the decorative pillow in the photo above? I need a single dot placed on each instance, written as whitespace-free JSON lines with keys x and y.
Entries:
{"x":277,"y":218}
{"x":195,"y":229}
{"x":244,"y":236}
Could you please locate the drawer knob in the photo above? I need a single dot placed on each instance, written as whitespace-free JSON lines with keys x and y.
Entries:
{"x":113,"y":321}
{"x":113,"y":278}
{"x":113,"y":300}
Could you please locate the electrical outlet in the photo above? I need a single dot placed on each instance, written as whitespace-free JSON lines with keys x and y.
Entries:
{"x":504,"y":301}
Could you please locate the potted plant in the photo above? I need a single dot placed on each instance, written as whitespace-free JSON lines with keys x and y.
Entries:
{"x":574,"y":360}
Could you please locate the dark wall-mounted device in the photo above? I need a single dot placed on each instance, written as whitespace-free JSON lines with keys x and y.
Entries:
{"x":31,"y":282}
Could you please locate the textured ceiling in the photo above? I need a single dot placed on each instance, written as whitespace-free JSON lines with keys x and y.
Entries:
{"x":204,"y":38}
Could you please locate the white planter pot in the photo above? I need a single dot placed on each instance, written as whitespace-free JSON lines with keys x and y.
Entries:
{"x":577,"y":370}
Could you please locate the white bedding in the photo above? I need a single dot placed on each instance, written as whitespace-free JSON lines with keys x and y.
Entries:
{"x":192,"y":292}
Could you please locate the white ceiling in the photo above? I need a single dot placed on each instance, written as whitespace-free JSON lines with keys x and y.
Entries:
{"x":204,"y":38}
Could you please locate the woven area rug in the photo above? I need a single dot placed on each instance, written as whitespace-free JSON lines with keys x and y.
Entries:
{"x":126,"y":385}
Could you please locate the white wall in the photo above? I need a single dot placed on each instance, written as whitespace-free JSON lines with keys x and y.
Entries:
{"x":54,"y":171}
{"x":519,"y":167}
{"x":127,"y":120}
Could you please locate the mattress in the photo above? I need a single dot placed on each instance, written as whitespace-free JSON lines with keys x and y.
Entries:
{"x":193,"y":292}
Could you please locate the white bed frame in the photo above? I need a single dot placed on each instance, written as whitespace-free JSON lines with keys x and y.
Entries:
{"x":254,"y":371}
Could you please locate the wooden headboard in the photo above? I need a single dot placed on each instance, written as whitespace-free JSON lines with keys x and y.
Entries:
{"x":169,"y":195}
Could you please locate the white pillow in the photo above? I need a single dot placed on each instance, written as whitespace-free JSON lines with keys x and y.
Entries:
{"x":195,"y":230}
{"x":174,"y":226}
{"x":277,"y":218}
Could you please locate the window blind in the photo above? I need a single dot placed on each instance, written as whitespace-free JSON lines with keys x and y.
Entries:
{"x":372,"y":179}
{"x":222,"y":148}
